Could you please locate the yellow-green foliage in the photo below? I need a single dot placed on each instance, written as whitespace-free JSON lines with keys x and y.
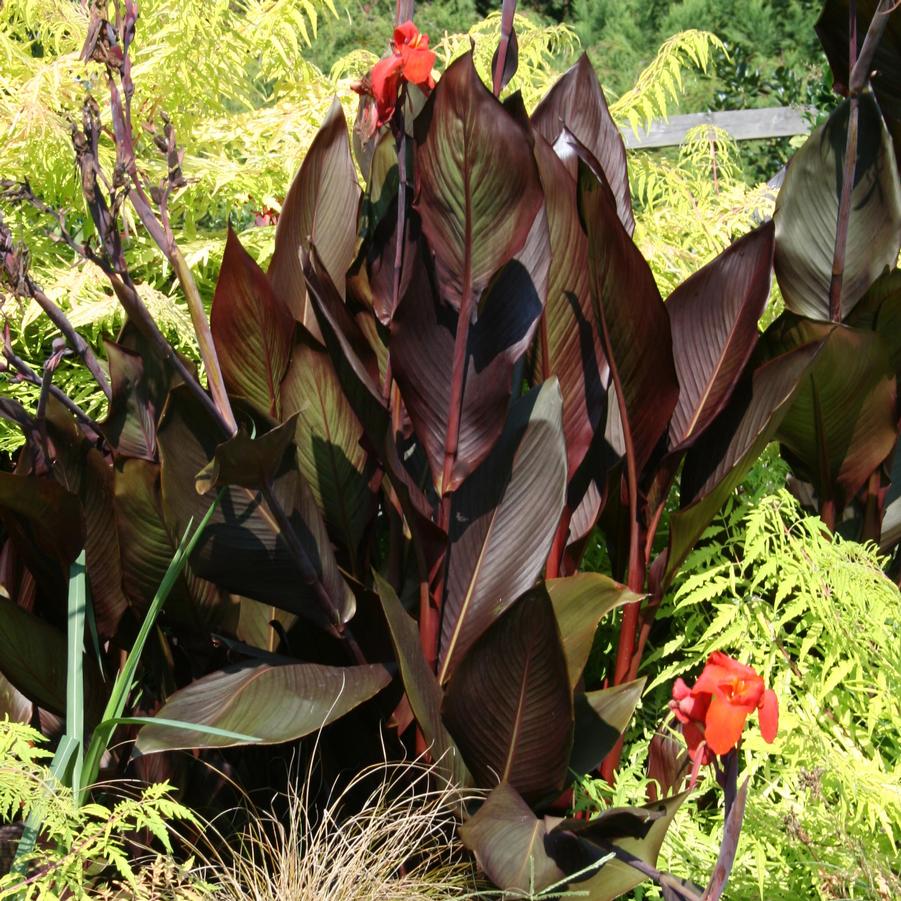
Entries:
{"x":77,"y":843}
{"x":817,"y":617}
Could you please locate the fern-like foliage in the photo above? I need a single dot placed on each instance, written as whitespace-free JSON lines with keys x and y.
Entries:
{"x":816,"y":616}
{"x":660,"y":84}
{"x":80,"y":843}
{"x":693,"y":206}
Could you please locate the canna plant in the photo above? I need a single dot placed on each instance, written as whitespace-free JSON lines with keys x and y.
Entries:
{"x":413,"y":420}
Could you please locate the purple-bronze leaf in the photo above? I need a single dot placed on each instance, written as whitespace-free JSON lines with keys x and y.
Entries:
{"x":33,"y":659}
{"x":422,"y":354}
{"x":329,"y":450}
{"x":252,"y":329}
{"x":44,"y":523}
{"x":570,"y":343}
{"x":576,"y":103}
{"x":509,"y":705}
{"x":722,"y":455}
{"x":320,"y":210}
{"x":503,"y":521}
{"x":81,"y":468}
{"x":807,"y":208}
{"x":268,"y":704}
{"x":476,"y":183}
{"x":130,"y":425}
{"x":421,"y":686}
{"x":147,"y":547}
{"x":842,"y":423}
{"x":634,"y":325}
{"x":508,"y":842}
{"x":246,"y":548}
{"x":713,"y":316}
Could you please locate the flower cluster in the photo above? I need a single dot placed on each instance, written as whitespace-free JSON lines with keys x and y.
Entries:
{"x":411,"y":60}
{"x":713,"y":713}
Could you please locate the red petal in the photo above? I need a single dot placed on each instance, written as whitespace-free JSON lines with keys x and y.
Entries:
{"x":405,"y":33}
{"x":417,"y":64}
{"x":769,"y":715}
{"x":725,"y":722}
{"x":385,"y":78}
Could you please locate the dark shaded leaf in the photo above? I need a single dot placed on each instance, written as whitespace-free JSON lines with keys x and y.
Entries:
{"x":424,"y":693}
{"x":601,"y":717}
{"x":422,"y":354}
{"x":580,"y":603}
{"x":503,"y":521}
{"x":44,"y":522}
{"x":713,"y":316}
{"x":329,"y":451}
{"x":320,"y":210}
{"x":33,"y":659}
{"x":80,"y":468}
{"x":247,"y":462}
{"x":508,"y":703}
{"x":841,"y":423}
{"x":252,"y":328}
{"x":719,"y":459}
{"x":358,"y":372}
{"x":147,"y":547}
{"x":576,"y":103}
{"x":476,"y":181}
{"x":832,"y":30}
{"x":130,"y":425}
{"x":570,"y":344}
{"x":807,"y":212}
{"x":245,"y":548}
{"x":508,"y":842}
{"x":272,"y":703}
{"x":634,"y":325}
{"x":615,"y":877}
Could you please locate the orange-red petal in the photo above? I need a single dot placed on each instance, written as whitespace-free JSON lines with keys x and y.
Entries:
{"x":406,"y":33}
{"x":769,"y":715}
{"x":417,"y":64}
{"x":724,"y":725}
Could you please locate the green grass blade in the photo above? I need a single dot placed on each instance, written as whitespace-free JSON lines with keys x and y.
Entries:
{"x":77,"y":604}
{"x":183,"y":724}
{"x":125,"y":678}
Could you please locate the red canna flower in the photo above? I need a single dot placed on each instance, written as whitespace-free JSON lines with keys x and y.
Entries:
{"x":713,"y":713}
{"x":410,"y":61}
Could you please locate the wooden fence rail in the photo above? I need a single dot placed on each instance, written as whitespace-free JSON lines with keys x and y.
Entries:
{"x":742,"y":125}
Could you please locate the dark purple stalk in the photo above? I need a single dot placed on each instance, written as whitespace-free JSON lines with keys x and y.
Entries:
{"x":507,"y":15}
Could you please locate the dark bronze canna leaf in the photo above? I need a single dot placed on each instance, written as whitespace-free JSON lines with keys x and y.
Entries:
{"x":476,"y":183}
{"x":508,"y":703}
{"x":503,"y":521}
{"x":576,"y":103}
{"x":268,"y":704}
{"x":252,"y":329}
{"x":320,"y":210}
{"x":713,"y":316}
{"x":807,"y":213}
